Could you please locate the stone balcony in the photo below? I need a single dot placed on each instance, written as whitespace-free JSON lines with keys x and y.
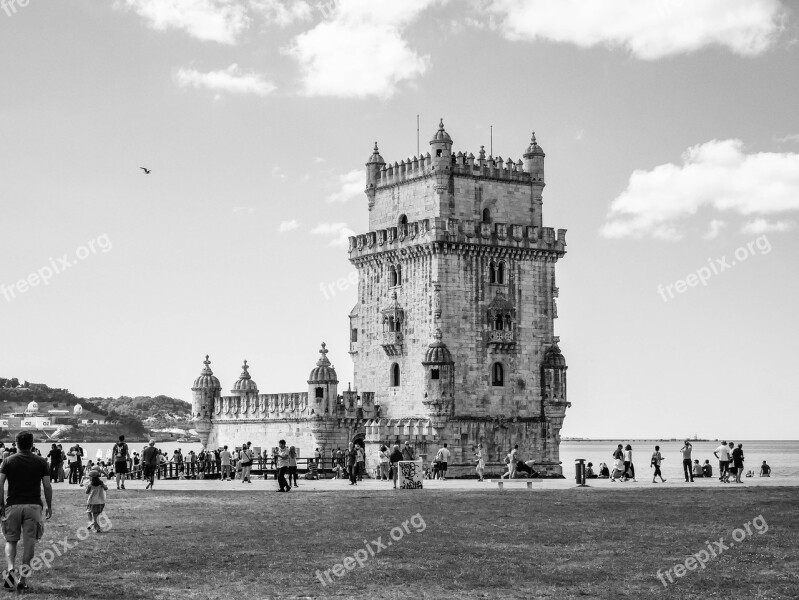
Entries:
{"x":392,"y":342}
{"x":502,"y":340}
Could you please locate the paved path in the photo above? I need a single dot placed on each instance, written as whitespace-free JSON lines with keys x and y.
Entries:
{"x":342,"y":485}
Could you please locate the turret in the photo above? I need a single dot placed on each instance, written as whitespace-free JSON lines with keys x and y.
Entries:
{"x":439,"y":380}
{"x":373,"y":167}
{"x":205,"y":394}
{"x":534,"y":165}
{"x":323,"y":386}
{"x":441,"y":151}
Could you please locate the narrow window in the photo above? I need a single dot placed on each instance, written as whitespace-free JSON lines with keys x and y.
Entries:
{"x":492,"y":272}
{"x":497,"y":375}
{"x":498,"y":323}
{"x":320,"y":392}
{"x":434,"y":374}
{"x":395,"y":375}
{"x":438,"y":152}
{"x":399,"y":275}
{"x":486,"y":215}
{"x":393,"y":276}
{"x":354,"y":334}
{"x":501,"y":273}
{"x":403,"y":220}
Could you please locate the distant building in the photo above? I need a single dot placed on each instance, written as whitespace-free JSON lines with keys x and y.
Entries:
{"x":452,"y":337}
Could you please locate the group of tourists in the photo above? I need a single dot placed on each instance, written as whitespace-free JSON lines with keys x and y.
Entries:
{"x":730,"y":457}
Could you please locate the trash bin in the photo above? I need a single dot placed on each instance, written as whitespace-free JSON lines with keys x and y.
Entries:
{"x":579,"y":471}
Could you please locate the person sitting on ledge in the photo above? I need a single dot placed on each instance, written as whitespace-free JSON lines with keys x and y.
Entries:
{"x":765,"y":470}
{"x":750,"y":473}
{"x":707,"y":469}
{"x":697,"y":469}
{"x":589,"y":471}
{"x":604,"y":472}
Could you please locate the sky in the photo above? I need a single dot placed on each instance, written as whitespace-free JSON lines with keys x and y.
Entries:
{"x":672,"y":141}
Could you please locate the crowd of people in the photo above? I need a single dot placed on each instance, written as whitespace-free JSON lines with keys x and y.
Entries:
{"x":730,"y":458}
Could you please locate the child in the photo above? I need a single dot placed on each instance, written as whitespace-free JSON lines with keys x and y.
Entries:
{"x":96,"y":501}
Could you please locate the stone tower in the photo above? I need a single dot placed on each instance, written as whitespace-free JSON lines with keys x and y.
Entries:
{"x":454,"y":326}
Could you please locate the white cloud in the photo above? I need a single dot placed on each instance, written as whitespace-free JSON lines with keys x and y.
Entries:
{"x":288,"y":225}
{"x":351,"y":185}
{"x":714,"y":229}
{"x":359,"y":49}
{"x":758,"y":226}
{"x":208,"y":20}
{"x":283,"y":13}
{"x":792,"y":137}
{"x":232,"y":80}
{"x":648,"y":30}
{"x":718,"y":175}
{"x":339,"y":231}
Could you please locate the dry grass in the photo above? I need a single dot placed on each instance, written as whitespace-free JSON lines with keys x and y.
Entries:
{"x":578,"y":543}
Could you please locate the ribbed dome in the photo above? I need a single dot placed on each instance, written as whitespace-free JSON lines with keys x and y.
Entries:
{"x":376,"y":158}
{"x":437,"y":352}
{"x":206,"y":380}
{"x":534,"y":149}
{"x":324,"y":371}
{"x":554,"y":359}
{"x":245,"y":382}
{"x":441,"y":135}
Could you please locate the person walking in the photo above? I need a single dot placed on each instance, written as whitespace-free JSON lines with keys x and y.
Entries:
{"x":120,"y":457}
{"x":480,"y":462}
{"x":282,"y":466}
{"x":657,"y":458}
{"x":687,"y":463}
{"x":293,"y":466}
{"x":361,"y":461}
{"x":27,"y":475}
{"x":352,"y":463}
{"x":149,"y":459}
{"x":95,"y":503}
{"x":72,"y":459}
{"x":442,"y":456}
{"x":396,"y":456}
{"x":629,"y":467}
{"x":224,"y":460}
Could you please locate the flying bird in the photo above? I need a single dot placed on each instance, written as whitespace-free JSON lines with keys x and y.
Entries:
{"x":146,"y":171}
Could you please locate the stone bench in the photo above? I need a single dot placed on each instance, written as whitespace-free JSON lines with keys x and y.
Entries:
{"x":502,"y":482}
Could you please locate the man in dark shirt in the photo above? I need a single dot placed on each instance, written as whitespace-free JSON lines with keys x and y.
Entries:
{"x":21,"y":512}
{"x":149,"y":463}
{"x":55,"y":463}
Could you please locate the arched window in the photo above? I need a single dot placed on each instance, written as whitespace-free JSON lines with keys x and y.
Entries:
{"x":403,"y":220}
{"x":501,"y":272}
{"x":486,"y":215}
{"x":492,"y":272}
{"x":498,"y":323}
{"x":399,"y":274}
{"x":354,"y":334}
{"x":320,"y":392}
{"x":497,"y":375}
{"x":393,"y":275}
{"x":395,"y":375}
{"x":435,"y":374}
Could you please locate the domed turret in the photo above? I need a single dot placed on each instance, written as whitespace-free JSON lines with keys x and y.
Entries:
{"x":33,"y":407}
{"x":322,"y":386}
{"x":245,"y":383}
{"x":206,"y":380}
{"x":324,"y":371}
{"x":373,"y":167}
{"x":441,"y":150}
{"x":534,"y":161}
{"x":437,"y":352}
{"x":553,"y":359}
{"x":441,"y":136}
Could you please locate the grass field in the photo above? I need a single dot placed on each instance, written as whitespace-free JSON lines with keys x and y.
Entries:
{"x":576,"y":543}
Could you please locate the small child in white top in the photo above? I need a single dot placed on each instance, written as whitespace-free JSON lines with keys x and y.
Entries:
{"x":95,"y":503}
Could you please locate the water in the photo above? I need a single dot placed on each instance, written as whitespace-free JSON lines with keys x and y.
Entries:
{"x":781,"y":456}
